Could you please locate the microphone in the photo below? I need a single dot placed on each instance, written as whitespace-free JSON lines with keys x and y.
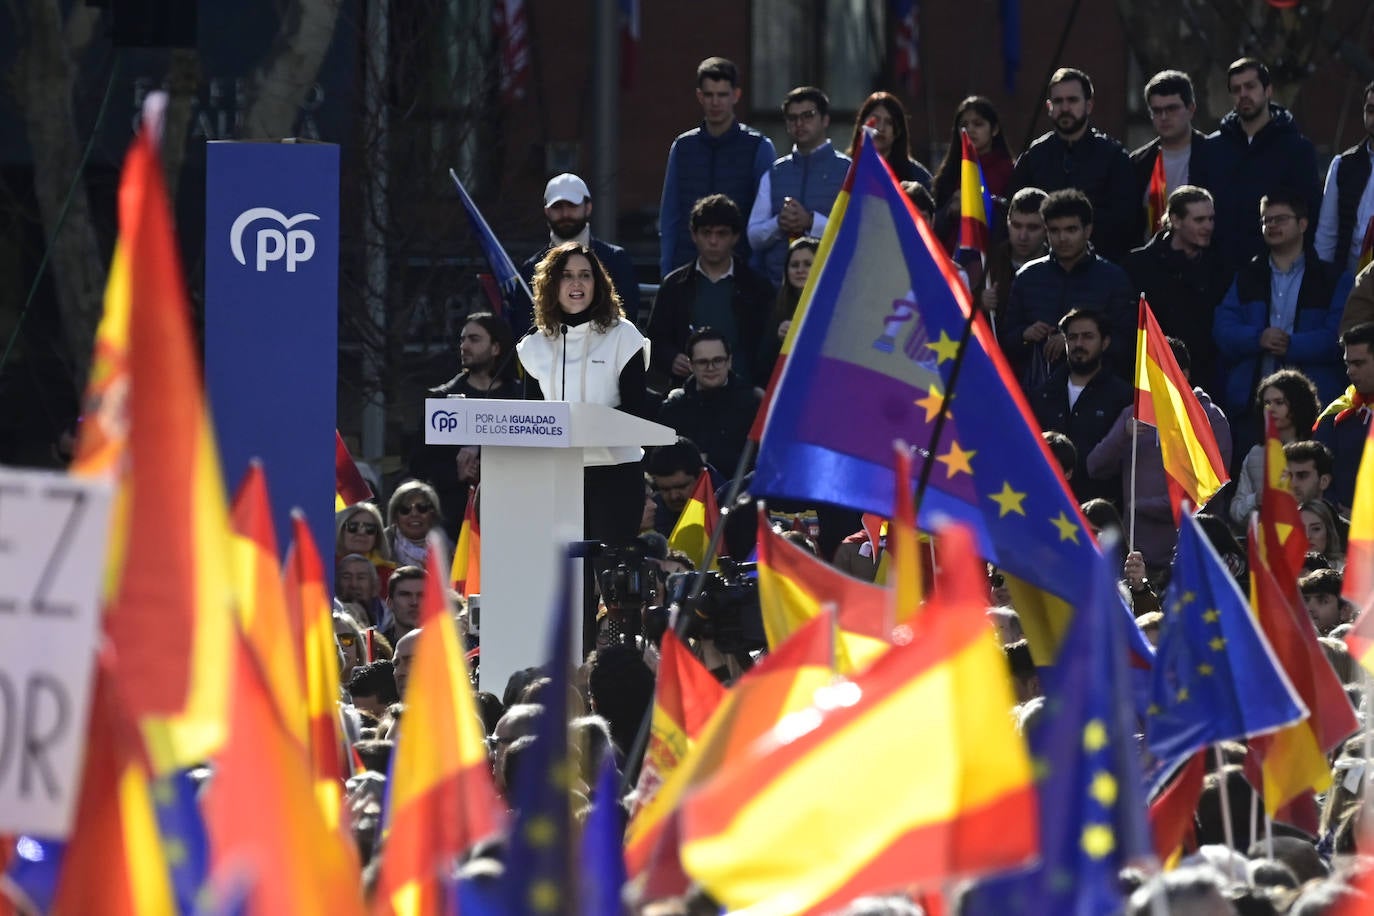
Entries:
{"x":563,"y":329}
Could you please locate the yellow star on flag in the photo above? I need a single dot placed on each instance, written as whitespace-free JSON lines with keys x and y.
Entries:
{"x":1103,"y":789}
{"x":1094,"y":735}
{"x":1217,"y":644}
{"x":540,"y":831}
{"x":1008,"y":500}
{"x":1152,"y":709}
{"x":544,"y":897}
{"x":1098,"y":841}
{"x":945,"y":348}
{"x":956,"y":460}
{"x":1205,"y":669}
{"x":932,"y":402}
{"x":1211,"y":615}
{"x":1182,"y":694}
{"x":1068,"y":528}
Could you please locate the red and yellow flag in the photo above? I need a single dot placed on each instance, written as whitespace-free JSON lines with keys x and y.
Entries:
{"x":168,"y":598}
{"x":795,"y":586}
{"x":1366,"y":247}
{"x":975,"y":203}
{"x":269,"y":842}
{"x":903,"y":540}
{"x":784,"y":682}
{"x":1156,"y":196}
{"x":697,"y":521}
{"x":1165,"y":400}
{"x":307,"y":603}
{"x":441,"y":799}
{"x":685,"y":696}
{"x":1293,"y":760}
{"x":1358,"y":587}
{"x":350,"y":487}
{"x":466,"y":569}
{"x":778,"y":833}
{"x":114,"y":864}
{"x":1171,"y":813}
{"x":271,"y":633}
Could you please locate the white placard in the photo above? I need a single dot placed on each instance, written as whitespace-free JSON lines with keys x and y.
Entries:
{"x":474,"y":421}
{"x":53,"y":533}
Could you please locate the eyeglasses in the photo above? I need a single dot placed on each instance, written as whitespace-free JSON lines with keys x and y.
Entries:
{"x":361,"y":527}
{"x":1278,"y":219}
{"x":1164,"y":111}
{"x":714,"y":362}
{"x":411,"y":509}
{"x":800,"y":116}
{"x":347,"y":640}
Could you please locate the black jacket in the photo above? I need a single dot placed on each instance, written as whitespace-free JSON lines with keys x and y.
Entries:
{"x":1092,"y":416}
{"x":1241,"y":171}
{"x":1143,"y":163}
{"x":670,"y":322}
{"x":1183,"y":293}
{"x":1098,"y":166}
{"x":716,"y":419}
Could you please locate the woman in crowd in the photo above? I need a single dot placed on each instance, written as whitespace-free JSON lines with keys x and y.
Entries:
{"x":413,"y":513}
{"x":976,"y":115}
{"x":359,"y":530}
{"x":885,"y":114}
{"x":1291,"y":399}
{"x":586,"y":350}
{"x":1323,"y":533}
{"x":801,"y":254}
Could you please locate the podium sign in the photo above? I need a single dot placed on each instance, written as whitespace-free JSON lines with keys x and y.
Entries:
{"x":463,"y":421}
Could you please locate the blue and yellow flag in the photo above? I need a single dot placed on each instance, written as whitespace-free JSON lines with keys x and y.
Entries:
{"x":1087,"y":772}
{"x":1215,"y":675}
{"x":871,"y":363}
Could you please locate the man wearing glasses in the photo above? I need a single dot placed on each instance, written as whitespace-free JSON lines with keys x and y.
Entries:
{"x":797,"y":192}
{"x":715,"y":407}
{"x":1171,"y":104}
{"x":1282,"y":311}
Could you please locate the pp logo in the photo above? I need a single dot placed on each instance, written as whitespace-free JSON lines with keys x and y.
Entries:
{"x":444,"y":421}
{"x":295,"y":246}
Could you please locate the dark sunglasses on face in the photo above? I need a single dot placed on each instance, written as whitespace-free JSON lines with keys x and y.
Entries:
{"x":411,"y":509}
{"x":364,"y":527}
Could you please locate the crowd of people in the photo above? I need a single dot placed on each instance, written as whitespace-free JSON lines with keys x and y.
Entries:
{"x":1253,"y":267}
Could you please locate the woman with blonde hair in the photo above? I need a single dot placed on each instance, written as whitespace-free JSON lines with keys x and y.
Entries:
{"x":359,"y":529}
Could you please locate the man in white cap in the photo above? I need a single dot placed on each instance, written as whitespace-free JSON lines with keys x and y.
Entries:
{"x":568,"y":207}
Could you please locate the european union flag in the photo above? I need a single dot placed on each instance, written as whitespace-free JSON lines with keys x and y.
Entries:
{"x":539,"y":864}
{"x":1088,"y":773}
{"x":513,"y":288}
{"x":184,"y":840}
{"x":603,"y":863}
{"x":1215,"y":675}
{"x":872,"y":360}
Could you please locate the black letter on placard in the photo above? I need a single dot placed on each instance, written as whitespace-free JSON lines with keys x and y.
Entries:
{"x":39,"y":602}
{"x":36,"y":746}
{"x":7,"y":604}
{"x":9,"y":733}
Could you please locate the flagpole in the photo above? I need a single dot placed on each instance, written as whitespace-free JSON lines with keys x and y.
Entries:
{"x":1135,"y":436}
{"x":1223,"y":786}
{"x":1254,"y":817}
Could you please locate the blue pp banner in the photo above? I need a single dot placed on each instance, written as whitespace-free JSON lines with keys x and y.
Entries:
{"x":272,"y":320}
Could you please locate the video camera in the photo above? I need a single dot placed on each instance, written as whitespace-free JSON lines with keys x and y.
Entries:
{"x":726,"y":611}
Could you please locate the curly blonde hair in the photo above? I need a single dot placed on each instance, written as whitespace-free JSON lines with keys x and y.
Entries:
{"x":606,"y":308}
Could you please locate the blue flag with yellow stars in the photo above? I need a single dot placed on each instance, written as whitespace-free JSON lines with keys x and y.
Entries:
{"x":1215,"y":676}
{"x":539,"y":862}
{"x":874,"y":353}
{"x":603,"y":862}
{"x":1087,"y":772}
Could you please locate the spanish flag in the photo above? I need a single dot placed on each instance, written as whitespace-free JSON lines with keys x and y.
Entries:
{"x":1366,"y":247}
{"x":307,"y":602}
{"x":783,"y":683}
{"x":466,"y":571}
{"x":685,"y":696}
{"x":168,"y":597}
{"x":1165,"y":400}
{"x":903,"y":540}
{"x":1171,"y":812}
{"x":349,"y":486}
{"x":1359,"y":560}
{"x":271,"y":633}
{"x":941,"y":785}
{"x":795,"y":586}
{"x":697,"y":521}
{"x":1156,"y":197}
{"x":441,"y":799}
{"x":975,"y":203}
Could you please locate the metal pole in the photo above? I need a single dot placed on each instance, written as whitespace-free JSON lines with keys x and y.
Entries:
{"x":605,"y":150}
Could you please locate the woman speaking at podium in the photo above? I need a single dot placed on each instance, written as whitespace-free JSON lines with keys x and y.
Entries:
{"x":587,"y":350}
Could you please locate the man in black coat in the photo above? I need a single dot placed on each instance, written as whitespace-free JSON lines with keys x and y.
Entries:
{"x":1171,"y":103}
{"x":715,"y":407}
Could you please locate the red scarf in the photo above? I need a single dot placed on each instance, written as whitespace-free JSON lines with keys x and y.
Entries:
{"x":1358,"y":403}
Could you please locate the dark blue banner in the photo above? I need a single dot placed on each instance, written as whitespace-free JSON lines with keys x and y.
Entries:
{"x":272,"y":321}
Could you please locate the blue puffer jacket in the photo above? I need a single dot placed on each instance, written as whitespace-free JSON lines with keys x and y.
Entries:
{"x":1313,"y":347}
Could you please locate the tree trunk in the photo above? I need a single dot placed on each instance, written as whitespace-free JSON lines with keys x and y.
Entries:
{"x":276,"y":89}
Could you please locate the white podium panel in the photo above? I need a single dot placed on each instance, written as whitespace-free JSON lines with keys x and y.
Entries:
{"x":531,"y":508}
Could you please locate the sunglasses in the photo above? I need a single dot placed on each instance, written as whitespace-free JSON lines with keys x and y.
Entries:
{"x":411,"y":509}
{"x":347,"y":640}
{"x":364,"y":527}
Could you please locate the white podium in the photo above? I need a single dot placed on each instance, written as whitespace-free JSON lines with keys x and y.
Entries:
{"x":532,"y":459}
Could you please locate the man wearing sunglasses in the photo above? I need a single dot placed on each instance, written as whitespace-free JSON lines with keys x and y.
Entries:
{"x":796,"y":193}
{"x":715,"y":407}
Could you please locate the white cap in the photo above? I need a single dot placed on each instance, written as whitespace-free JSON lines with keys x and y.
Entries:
{"x":565,"y":187}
